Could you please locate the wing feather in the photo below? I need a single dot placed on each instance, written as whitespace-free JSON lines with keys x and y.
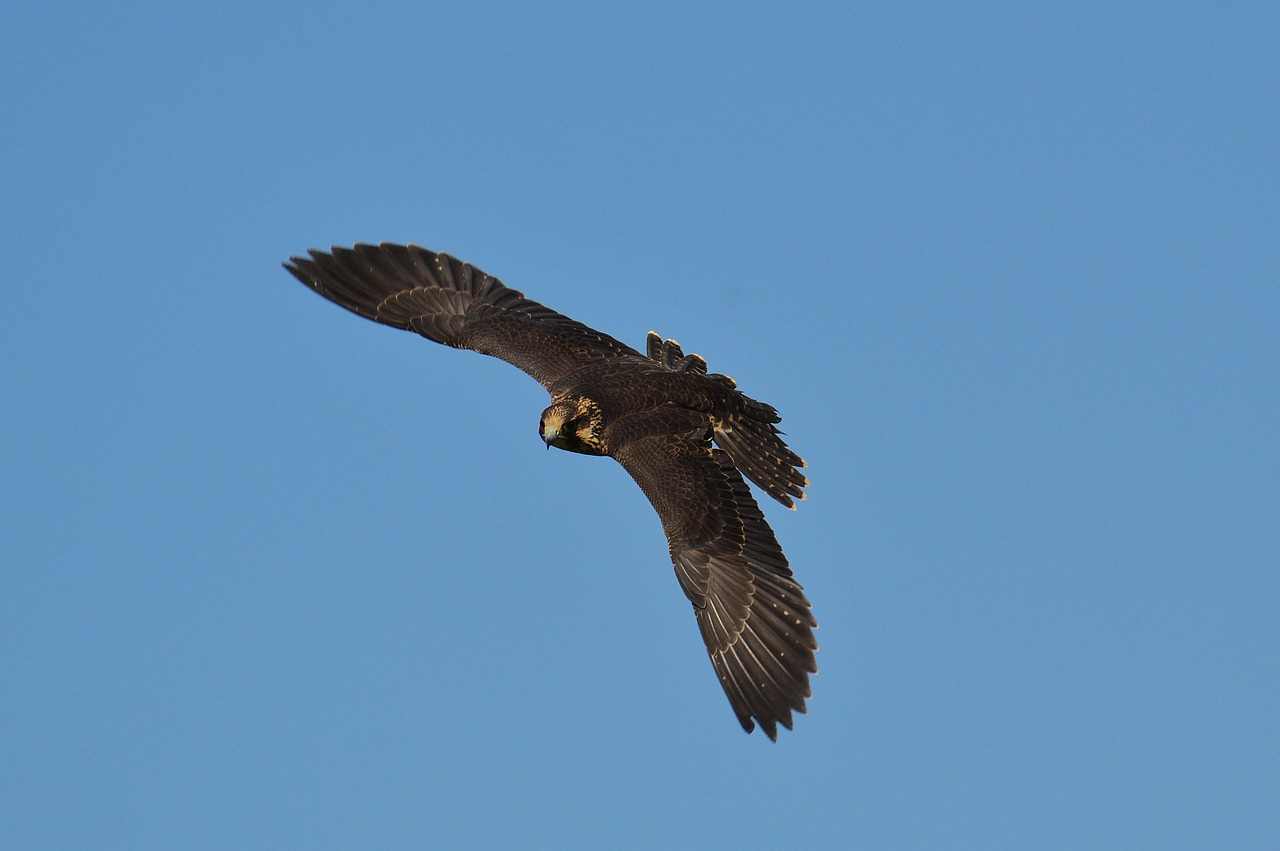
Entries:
{"x":454,"y":303}
{"x":753,"y":616}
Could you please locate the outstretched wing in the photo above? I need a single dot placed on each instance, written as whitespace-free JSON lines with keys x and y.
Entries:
{"x":754,"y":618}
{"x":454,"y":303}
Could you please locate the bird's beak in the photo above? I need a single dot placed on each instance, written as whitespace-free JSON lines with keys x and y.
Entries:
{"x":550,"y":436}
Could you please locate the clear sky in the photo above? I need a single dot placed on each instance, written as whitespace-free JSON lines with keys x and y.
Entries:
{"x":278,"y":577}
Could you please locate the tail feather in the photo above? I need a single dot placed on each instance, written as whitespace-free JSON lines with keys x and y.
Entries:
{"x":749,"y":436}
{"x":759,"y":452}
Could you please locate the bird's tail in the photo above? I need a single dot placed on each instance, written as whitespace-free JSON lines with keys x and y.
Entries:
{"x":408,"y":287}
{"x":749,"y":435}
{"x":756,"y":446}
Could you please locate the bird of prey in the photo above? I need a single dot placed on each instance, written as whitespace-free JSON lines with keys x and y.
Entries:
{"x":686,"y":436}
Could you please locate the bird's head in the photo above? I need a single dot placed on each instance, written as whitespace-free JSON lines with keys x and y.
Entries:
{"x":573,"y":424}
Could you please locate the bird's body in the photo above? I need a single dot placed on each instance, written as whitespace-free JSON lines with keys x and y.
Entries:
{"x":687,"y":437}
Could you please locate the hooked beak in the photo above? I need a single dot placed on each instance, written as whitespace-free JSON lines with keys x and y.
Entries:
{"x":550,"y":436}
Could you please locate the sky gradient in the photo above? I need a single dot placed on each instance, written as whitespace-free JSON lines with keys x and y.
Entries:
{"x":277,"y":577}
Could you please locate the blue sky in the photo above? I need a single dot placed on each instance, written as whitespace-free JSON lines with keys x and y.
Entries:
{"x":278,"y":577}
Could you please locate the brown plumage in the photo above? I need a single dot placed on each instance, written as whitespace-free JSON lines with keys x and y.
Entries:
{"x":686,"y":436}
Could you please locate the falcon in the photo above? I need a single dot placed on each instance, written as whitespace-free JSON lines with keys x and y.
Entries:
{"x":685,"y":435}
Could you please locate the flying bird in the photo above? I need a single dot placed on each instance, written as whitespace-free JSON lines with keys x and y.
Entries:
{"x":685,"y":435}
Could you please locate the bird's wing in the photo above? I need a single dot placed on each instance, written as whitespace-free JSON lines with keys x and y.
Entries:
{"x":754,"y":618}
{"x":454,"y":303}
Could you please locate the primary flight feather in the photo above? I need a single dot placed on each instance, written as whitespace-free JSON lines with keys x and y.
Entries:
{"x":687,"y":437}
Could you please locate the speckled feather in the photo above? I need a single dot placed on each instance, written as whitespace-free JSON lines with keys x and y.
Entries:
{"x":452,"y":302}
{"x":754,"y":618}
{"x":658,"y":415}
